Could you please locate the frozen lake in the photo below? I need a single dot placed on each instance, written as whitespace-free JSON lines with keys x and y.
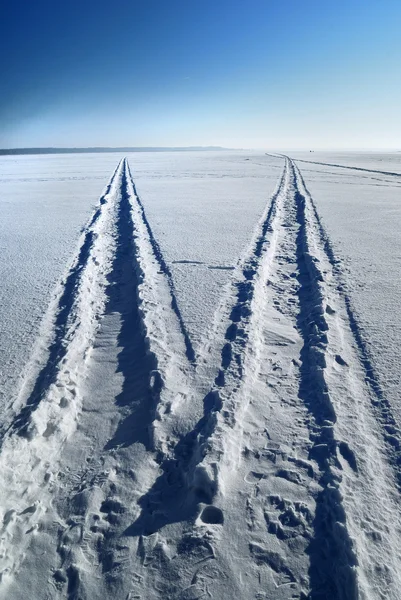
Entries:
{"x":203,"y":349}
{"x":362,"y":213}
{"x":45,"y":201}
{"x":203,"y":207}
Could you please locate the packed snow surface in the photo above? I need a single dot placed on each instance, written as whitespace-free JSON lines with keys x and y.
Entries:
{"x":202,"y":205}
{"x":199,"y":377}
{"x":362,"y":211}
{"x":203,"y":210}
{"x":44,"y":203}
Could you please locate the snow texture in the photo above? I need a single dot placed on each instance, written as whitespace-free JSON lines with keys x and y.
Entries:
{"x":203,"y":415}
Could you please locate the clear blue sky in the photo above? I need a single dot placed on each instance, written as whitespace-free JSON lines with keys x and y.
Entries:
{"x":239,"y":73}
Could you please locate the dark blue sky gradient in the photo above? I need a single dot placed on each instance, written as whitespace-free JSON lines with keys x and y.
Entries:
{"x":259,"y":73}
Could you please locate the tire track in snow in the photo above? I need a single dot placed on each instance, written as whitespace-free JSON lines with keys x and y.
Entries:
{"x":32,"y":447}
{"x":95,"y":505}
{"x":263,"y":499}
{"x":381,"y":405}
{"x":154,"y":363}
{"x":117,"y":257}
{"x":356,"y":507}
{"x":333,"y":560}
{"x":166,"y":270}
{"x":369,"y":470}
{"x":59,"y":320}
{"x":374,"y":171}
{"x":330,"y":549}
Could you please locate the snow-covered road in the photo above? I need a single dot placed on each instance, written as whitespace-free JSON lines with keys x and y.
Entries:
{"x":261,"y":462}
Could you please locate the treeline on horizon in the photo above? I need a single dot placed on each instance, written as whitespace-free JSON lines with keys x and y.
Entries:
{"x":6,"y":151}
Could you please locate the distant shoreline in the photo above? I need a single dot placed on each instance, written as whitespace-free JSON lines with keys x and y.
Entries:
{"x":14,"y":151}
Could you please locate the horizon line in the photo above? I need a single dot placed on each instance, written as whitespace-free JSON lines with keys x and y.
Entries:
{"x":99,"y":149}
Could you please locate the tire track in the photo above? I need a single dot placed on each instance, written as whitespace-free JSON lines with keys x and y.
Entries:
{"x":355,"y":521}
{"x":32,"y":448}
{"x":94,"y":506}
{"x":116,"y":272}
{"x":380,"y":404}
{"x":156,"y":371}
{"x":302,"y":508}
{"x":190,"y":352}
{"x":367,"y":470}
{"x":348,"y":167}
{"x":60,"y":318}
{"x":333,"y":560}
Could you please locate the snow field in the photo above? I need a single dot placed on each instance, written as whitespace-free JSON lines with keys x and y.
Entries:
{"x":30,"y":452}
{"x":45,"y":202}
{"x":361,"y":211}
{"x":369,"y":492}
{"x":260,"y":461}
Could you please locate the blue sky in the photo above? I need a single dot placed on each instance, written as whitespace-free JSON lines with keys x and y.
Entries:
{"x":254,"y":73}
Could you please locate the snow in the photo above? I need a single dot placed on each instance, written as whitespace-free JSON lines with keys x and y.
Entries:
{"x":389,"y":162}
{"x":184,"y":431}
{"x":45,"y":201}
{"x":203,"y":208}
{"x":362,"y":212}
{"x":51,"y":197}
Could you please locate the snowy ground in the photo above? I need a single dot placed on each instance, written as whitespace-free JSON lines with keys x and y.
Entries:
{"x":45,"y":202}
{"x":206,"y":411}
{"x":362,"y":211}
